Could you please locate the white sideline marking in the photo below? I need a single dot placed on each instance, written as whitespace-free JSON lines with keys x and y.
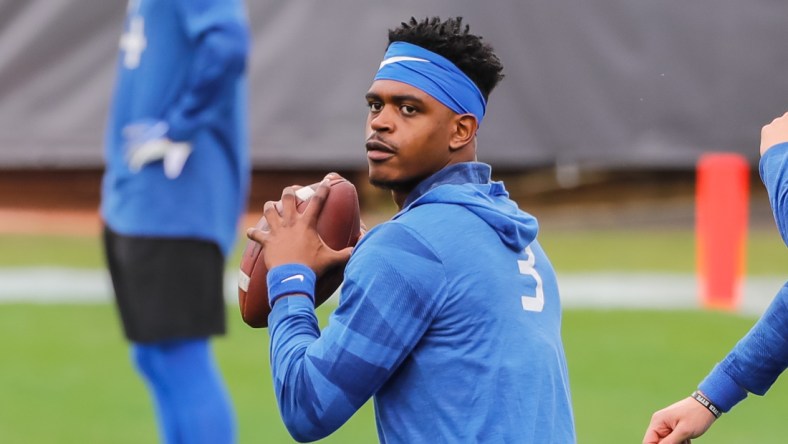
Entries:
{"x":581,"y":290}
{"x":52,"y":284}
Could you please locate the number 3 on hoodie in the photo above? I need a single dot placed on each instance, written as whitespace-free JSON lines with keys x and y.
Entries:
{"x":533,"y":302}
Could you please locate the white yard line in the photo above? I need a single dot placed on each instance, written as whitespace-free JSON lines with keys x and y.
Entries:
{"x":587,"y":290}
{"x":657,"y":291}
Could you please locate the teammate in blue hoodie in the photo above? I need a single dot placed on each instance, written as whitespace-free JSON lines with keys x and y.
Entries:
{"x":449,"y":316}
{"x":761,"y":356}
{"x":175,"y":186}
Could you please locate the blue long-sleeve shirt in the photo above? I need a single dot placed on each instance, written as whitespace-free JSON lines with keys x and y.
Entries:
{"x":449,"y":316}
{"x":181,"y":62}
{"x":761,"y":356}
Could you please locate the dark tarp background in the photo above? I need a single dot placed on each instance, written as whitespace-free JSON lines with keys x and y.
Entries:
{"x":603,"y":83}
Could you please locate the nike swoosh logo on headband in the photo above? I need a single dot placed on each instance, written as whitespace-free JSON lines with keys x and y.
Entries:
{"x":401,"y":59}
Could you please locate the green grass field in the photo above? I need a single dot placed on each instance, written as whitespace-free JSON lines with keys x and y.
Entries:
{"x":569,"y":251}
{"x":66,"y":377}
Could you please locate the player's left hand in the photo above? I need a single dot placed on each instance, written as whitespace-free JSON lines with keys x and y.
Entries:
{"x":678,"y":423}
{"x":774,"y":133}
{"x":146,"y":142}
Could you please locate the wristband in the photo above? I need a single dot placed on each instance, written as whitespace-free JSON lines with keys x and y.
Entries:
{"x":704,"y":401}
{"x":290,"y":279}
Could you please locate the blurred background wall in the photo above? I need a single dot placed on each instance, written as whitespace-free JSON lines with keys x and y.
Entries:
{"x":602,"y":85}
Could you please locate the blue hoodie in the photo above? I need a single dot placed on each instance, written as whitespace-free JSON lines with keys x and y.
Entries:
{"x":449,"y":316}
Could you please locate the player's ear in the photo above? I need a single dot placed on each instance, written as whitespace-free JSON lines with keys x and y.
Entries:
{"x":463,"y":130}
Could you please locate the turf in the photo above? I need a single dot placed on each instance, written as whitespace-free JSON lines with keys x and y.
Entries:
{"x":570,"y":251}
{"x":670,"y":251}
{"x":66,"y":377}
{"x":624,"y":365}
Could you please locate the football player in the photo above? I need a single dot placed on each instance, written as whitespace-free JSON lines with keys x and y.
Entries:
{"x":174,"y":188}
{"x":449,"y":315}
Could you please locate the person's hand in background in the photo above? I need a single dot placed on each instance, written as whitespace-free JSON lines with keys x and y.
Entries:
{"x":146,"y":142}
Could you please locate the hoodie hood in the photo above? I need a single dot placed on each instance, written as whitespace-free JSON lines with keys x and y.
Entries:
{"x":469,"y":185}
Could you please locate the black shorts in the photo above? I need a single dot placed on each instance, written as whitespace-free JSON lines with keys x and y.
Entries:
{"x":166,"y":288}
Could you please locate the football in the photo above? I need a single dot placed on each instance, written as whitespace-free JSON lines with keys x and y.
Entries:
{"x":339,"y":225}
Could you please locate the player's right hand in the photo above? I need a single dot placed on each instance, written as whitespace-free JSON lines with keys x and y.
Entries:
{"x":774,"y":133}
{"x":678,"y":423}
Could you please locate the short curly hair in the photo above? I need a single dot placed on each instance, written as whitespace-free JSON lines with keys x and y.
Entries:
{"x":454,"y":41}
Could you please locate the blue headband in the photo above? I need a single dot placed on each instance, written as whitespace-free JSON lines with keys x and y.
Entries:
{"x":433,"y":74}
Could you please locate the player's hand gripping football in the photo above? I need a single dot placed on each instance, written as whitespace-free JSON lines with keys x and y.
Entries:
{"x":292,"y":236}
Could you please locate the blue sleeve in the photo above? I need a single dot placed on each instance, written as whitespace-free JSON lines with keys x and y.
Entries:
{"x":220,"y":32}
{"x":394,"y":285}
{"x":756,"y":361}
{"x":774,"y":173}
{"x":762,"y":355}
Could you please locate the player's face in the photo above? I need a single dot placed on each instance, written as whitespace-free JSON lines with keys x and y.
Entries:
{"x":407,"y":136}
